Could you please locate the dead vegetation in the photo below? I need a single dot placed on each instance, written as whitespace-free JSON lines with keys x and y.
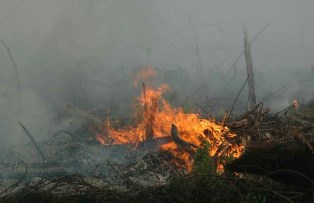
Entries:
{"x":275,"y":167}
{"x":166,"y":154}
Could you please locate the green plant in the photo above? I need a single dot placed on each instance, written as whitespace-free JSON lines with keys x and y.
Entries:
{"x":203,"y":163}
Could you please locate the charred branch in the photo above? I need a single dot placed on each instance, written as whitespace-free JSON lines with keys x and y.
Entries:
{"x":33,"y":141}
{"x":180,"y":142}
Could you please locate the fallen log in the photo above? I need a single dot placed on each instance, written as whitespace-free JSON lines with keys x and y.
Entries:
{"x":279,"y":146}
{"x":188,"y":147}
{"x":287,"y":160}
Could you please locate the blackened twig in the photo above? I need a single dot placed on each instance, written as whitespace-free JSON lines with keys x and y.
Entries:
{"x":33,"y":141}
{"x":237,"y":97}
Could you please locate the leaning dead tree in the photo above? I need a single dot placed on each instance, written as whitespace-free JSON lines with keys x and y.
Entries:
{"x":249,"y":67}
{"x":40,"y":152}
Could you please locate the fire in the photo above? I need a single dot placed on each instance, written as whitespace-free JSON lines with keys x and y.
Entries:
{"x":155,"y":120}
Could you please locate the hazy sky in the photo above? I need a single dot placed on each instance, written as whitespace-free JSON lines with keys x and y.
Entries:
{"x":56,"y":43}
{"x":127,"y":28}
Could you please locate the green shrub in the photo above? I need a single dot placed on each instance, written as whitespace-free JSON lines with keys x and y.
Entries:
{"x":203,"y":163}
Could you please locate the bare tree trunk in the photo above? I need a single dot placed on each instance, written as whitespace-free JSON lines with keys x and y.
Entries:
{"x":249,"y":67}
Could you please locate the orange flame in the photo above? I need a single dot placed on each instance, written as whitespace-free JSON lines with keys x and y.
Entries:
{"x":156,"y":119}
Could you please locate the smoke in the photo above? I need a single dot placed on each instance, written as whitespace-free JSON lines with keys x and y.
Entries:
{"x":86,"y":52}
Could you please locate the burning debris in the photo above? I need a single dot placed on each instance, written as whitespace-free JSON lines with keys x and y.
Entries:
{"x":166,"y":151}
{"x":158,"y":119}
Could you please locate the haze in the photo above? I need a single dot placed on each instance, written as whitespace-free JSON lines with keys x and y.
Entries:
{"x":84,"y":52}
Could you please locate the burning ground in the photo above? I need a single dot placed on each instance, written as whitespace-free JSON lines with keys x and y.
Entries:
{"x":157,"y":120}
{"x":225,"y":115}
{"x":167,"y":154}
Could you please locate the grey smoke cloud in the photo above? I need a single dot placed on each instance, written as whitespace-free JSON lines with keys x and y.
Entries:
{"x":85,"y":51}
